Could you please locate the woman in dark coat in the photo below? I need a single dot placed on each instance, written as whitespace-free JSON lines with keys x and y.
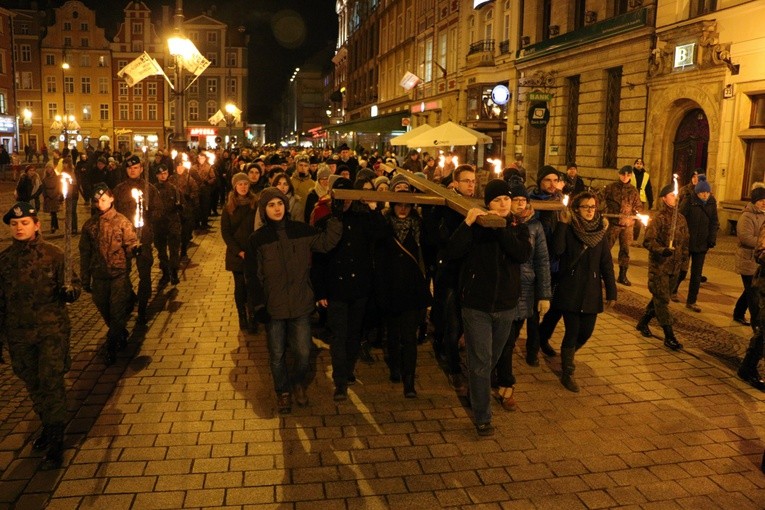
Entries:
{"x":52,"y":196}
{"x":585,"y":261}
{"x":401,"y":289}
{"x":236,"y":224}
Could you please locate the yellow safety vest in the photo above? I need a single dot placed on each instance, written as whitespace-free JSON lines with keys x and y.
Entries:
{"x":643,"y":184}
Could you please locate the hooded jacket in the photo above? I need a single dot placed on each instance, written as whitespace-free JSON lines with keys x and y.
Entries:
{"x":535,"y":272}
{"x":747,"y":231}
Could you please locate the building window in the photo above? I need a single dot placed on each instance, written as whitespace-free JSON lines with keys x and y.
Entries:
{"x":137,"y":112}
{"x":137,"y":45}
{"x":26,"y":53}
{"x":26,"y":80}
{"x":24,"y":29}
{"x":67,"y":26}
{"x":193,"y":110}
{"x":611,"y":127}
{"x":620,"y":7}
{"x":231,"y":59}
{"x":103,"y":85}
{"x":212,"y":37}
{"x":757,"y":119}
{"x":50,"y":60}
{"x":699,"y":7}
{"x":85,"y":84}
{"x":50,"y":84}
{"x":52,"y":110}
{"x":3,"y":103}
{"x":83,"y":27}
{"x":194,"y":87}
{"x":213,"y":58}
{"x":137,"y":28}
{"x":84,"y":42}
{"x":580,"y":8}
{"x":212,"y":107}
{"x":121,"y":64}
{"x":152,"y":112}
{"x":572,"y":117}
{"x":84,"y":60}
{"x":231,"y":85}
{"x":67,"y":42}
{"x":101,"y":61}
{"x":124,"y":111}
{"x":122,"y":90}
{"x":151,"y":89}
{"x":171,"y":111}
{"x":69,"y":84}
{"x":138,"y":90}
{"x":546,"y":13}
{"x":87,"y":112}
{"x":754,"y":164}
{"x":103,"y":111}
{"x":212,"y":85}
{"x":194,"y":36}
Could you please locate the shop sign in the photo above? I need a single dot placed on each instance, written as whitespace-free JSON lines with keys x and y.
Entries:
{"x":7,"y":124}
{"x":200,"y":131}
{"x":539,"y":96}
{"x":684,"y":55}
{"x":500,"y":94}
{"x":539,"y":115}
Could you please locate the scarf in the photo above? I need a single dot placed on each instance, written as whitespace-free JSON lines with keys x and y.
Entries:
{"x":402,"y":228}
{"x":319,"y":189}
{"x":589,"y":232}
{"x":242,"y":200}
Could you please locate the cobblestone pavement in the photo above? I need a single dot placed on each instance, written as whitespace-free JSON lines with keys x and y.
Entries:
{"x":187,"y":419}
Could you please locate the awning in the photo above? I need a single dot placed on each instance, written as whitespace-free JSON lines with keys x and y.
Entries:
{"x":381,"y":124}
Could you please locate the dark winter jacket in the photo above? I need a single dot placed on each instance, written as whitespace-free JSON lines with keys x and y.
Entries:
{"x":747,"y":230}
{"x":236,"y":228}
{"x":581,"y":271}
{"x":535,"y":272}
{"x":490,"y":275}
{"x":702,"y":223}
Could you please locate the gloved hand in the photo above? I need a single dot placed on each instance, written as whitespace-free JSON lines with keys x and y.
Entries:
{"x":543,"y":306}
{"x":337,"y":208}
{"x":69,"y":294}
{"x":262,"y":316}
{"x":137,"y":250}
{"x":667,"y":251}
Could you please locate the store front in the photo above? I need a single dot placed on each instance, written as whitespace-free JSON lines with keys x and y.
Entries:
{"x":369,"y":134}
{"x":8,"y":133}
{"x":203,"y":137}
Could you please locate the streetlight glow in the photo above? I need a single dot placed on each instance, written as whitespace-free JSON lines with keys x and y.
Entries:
{"x":65,"y":65}
{"x":230,"y":108}
{"x":180,"y":47}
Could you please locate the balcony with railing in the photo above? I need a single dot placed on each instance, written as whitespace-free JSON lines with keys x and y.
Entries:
{"x":481,"y":53}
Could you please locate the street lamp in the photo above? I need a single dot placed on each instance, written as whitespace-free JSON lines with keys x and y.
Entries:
{"x":64,"y":67}
{"x":231,"y":111}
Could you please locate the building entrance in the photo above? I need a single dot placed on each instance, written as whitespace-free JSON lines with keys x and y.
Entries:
{"x":690,"y":145}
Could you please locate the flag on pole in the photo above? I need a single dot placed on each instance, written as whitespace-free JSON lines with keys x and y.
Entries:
{"x":409,"y":81}
{"x":140,"y":69}
{"x":217,"y":118}
{"x":194,"y":62}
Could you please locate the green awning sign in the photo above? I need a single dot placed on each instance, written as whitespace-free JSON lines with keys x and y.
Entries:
{"x":540,"y":96}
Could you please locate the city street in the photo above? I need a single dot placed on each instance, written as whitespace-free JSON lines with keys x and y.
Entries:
{"x":187,"y":417}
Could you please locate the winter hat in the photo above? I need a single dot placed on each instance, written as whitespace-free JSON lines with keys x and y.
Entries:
{"x":266,"y":196}
{"x":544,"y":172}
{"x":703,"y":185}
{"x":381,"y":180}
{"x":132,"y":160}
{"x":517,"y":189}
{"x":341,"y":183}
{"x":626,"y":169}
{"x":398,"y":179}
{"x":496,"y":188}
{"x":323,"y":172}
{"x":160,"y":168}
{"x":757,"y":194}
{"x":365,"y":174}
{"x":19,"y":210}
{"x":666,"y":190}
{"x":239,"y":177}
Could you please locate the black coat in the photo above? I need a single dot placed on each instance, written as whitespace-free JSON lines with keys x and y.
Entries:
{"x":236,"y":228}
{"x":581,"y":272}
{"x":703,"y":223}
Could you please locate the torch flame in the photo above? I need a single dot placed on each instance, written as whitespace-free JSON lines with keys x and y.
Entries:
{"x":441,"y":160}
{"x":144,"y":149}
{"x":187,"y":165}
{"x":66,"y":180}
{"x":138,"y":217}
{"x":674,"y":178}
{"x":211,"y":157}
{"x":455,"y":161}
{"x":565,"y":200}
{"x":643,"y":218}
{"x":497,"y":163}
{"x":185,"y":156}
{"x":174,"y":154}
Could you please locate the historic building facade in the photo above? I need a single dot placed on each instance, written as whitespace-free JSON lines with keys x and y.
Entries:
{"x":8,"y":112}
{"x":27,"y":27}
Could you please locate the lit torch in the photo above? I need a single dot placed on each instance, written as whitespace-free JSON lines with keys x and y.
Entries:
{"x":643,"y":218}
{"x":138,"y":217}
{"x":174,"y":154}
{"x":497,"y":163}
{"x":455,"y":161}
{"x":674,"y":214}
{"x":565,"y":200}
{"x":66,"y":181}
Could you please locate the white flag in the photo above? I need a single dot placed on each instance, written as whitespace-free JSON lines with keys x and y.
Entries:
{"x":409,"y":81}
{"x":236,"y":113}
{"x":140,"y":69}
{"x":217,"y":118}
{"x":195,"y":62}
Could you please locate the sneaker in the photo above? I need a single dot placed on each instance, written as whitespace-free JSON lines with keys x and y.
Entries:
{"x":485,"y":429}
{"x":742,"y":321}
{"x":504,"y":396}
{"x":300,"y":397}
{"x":693,"y":306}
{"x":341,"y":394}
{"x":284,"y":403}
{"x":752,"y":379}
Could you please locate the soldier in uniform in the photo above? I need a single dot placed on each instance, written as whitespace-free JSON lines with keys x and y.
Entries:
{"x":108,"y":240}
{"x":664,"y":265}
{"x":190,"y":194}
{"x":126,"y":205}
{"x":167,"y":229}
{"x":35,"y":324}
{"x":622,"y":198}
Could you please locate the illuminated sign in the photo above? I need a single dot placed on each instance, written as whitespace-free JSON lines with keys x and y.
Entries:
{"x":684,"y":55}
{"x":500,"y":95}
{"x":477,"y":4}
{"x":423,"y":106}
{"x":202,"y":131}
{"x":373,"y":111}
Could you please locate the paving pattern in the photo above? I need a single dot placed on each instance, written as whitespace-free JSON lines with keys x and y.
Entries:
{"x":186,"y":419}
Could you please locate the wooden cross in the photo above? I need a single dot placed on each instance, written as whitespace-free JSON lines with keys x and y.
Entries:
{"x":433,"y":194}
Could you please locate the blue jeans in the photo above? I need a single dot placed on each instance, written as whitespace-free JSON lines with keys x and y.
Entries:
{"x":297,"y":334}
{"x":485,"y":337}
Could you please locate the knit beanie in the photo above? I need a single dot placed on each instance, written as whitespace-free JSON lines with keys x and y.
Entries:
{"x":341,"y":183}
{"x":398,"y":179}
{"x":495,"y":188}
{"x":517,"y":189}
{"x":239,"y":177}
{"x":757,"y":194}
{"x":381,"y":180}
{"x":626,"y":169}
{"x":266,"y":196}
{"x":323,"y":171}
{"x":544,"y":172}
{"x":365,"y":174}
{"x":703,"y":185}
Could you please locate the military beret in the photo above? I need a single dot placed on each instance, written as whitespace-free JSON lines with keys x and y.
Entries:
{"x":666,"y":190}
{"x":626,"y":169}
{"x":19,"y":210}
{"x":161,"y":168}
{"x":133,"y":160}
{"x":99,"y":189}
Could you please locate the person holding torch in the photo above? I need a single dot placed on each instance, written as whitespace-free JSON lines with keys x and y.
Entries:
{"x":623,"y":199}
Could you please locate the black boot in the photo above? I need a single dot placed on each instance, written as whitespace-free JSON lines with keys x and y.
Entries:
{"x":670,"y":341}
{"x":567,"y":369}
{"x":623,"y":277}
{"x":41,"y":443}
{"x":642,"y":325}
{"x":165,"y":279}
{"x":748,"y":369}
{"x":243,"y":321}
{"x":546,"y":348}
{"x":174,"y":278}
{"x":409,"y":391}
{"x":54,"y":457}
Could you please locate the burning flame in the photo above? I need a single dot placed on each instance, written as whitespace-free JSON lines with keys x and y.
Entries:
{"x":185,"y":157}
{"x":565,"y":200}
{"x":497,"y":163}
{"x":441,"y":160}
{"x":174,"y":154}
{"x":674,"y":178}
{"x":455,"y":161}
{"x":187,"y":165}
{"x":138,"y":217}
{"x":144,"y":149}
{"x":643,"y":218}
{"x":211,"y":158}
{"x":66,"y":180}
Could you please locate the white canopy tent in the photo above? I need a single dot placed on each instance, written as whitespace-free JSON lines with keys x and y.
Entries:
{"x":401,"y":140}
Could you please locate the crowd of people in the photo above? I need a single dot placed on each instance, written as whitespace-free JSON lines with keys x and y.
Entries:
{"x":361,"y":273}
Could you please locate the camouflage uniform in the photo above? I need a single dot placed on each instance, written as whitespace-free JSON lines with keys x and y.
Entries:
{"x":35,"y":323}
{"x":106,"y":241}
{"x":622,"y":199}
{"x":167,"y":231}
{"x":124,"y":203}
{"x":663,"y":271}
{"x":190,"y":193}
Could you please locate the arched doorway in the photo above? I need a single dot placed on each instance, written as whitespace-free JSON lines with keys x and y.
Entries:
{"x":690,"y":145}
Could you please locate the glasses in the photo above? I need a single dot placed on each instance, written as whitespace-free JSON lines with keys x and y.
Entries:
{"x":467,"y":181}
{"x":587,"y":207}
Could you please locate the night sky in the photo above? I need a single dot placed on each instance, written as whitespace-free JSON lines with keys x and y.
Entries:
{"x":283,"y":35}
